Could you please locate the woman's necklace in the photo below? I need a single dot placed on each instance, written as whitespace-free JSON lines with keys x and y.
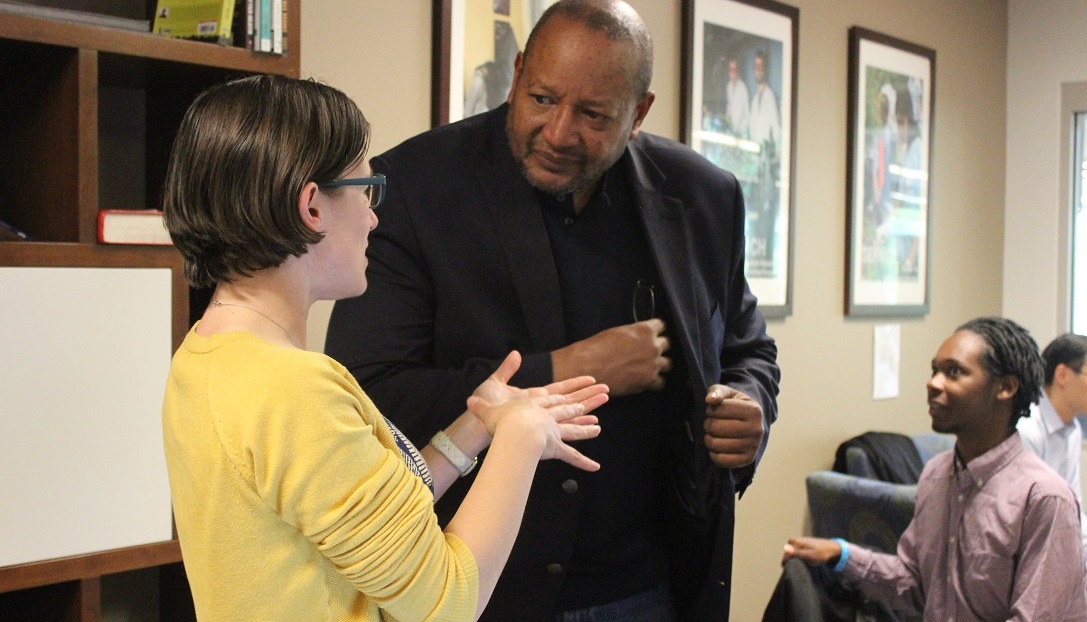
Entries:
{"x":220,"y":303}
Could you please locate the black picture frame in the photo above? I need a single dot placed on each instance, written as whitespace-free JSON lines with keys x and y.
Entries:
{"x":474,"y":45}
{"x":889,"y":171}
{"x":747,"y":124}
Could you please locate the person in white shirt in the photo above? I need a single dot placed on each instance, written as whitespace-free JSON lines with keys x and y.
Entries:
{"x":475,"y":101}
{"x":1052,"y":430}
{"x":737,"y":97}
{"x":764,"y":128}
{"x":765,"y":120}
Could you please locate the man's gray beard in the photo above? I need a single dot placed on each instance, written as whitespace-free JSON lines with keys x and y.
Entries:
{"x":576,"y":184}
{"x":580,"y":182}
{"x":587,"y":179}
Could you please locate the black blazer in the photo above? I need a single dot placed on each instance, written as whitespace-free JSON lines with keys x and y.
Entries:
{"x":461,"y":272}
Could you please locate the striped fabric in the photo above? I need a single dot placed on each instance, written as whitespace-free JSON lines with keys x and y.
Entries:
{"x":411,"y":456}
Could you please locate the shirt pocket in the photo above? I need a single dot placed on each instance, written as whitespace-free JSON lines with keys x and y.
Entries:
{"x":988,"y":550}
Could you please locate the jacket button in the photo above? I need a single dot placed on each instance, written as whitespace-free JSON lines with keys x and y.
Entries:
{"x":570,"y":486}
{"x":554,"y":569}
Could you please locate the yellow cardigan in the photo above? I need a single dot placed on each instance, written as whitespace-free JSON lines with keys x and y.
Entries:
{"x":291,"y":499}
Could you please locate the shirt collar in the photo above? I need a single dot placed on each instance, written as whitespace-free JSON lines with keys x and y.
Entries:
{"x":564,"y":203}
{"x":1051,"y":421}
{"x":988,"y":464}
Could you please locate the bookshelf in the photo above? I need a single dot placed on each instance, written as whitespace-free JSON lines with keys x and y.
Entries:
{"x":87,"y":117}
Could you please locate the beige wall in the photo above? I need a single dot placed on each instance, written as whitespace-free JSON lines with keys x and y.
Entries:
{"x":1045,"y":51}
{"x":379,"y":52}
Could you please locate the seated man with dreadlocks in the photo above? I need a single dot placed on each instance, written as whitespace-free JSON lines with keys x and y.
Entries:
{"x":995,"y":533}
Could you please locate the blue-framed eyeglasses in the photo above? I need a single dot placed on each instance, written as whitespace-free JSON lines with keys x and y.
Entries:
{"x":375,"y":187}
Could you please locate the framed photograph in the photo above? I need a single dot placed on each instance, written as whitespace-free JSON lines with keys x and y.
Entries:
{"x":739,"y":111}
{"x":475,"y":43}
{"x":889,"y":168}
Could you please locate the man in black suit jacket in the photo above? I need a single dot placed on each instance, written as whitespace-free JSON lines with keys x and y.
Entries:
{"x":551,"y":225}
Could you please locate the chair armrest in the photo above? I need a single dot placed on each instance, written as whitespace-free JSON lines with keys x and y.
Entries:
{"x":857,"y":463}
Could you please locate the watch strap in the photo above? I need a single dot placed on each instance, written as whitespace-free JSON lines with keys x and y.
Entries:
{"x":449,"y":449}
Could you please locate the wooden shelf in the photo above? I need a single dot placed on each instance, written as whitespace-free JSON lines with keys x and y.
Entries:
{"x":25,"y":576}
{"x":147,"y":45}
{"x":22,"y":254}
{"x":88,"y":115}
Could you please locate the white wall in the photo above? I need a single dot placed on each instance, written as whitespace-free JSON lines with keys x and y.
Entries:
{"x":378,"y":51}
{"x":1046,"y":48}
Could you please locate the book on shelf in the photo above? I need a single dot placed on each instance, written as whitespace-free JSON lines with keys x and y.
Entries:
{"x":265,"y":23}
{"x":250,"y":16}
{"x":265,"y":31}
{"x":11,"y":233}
{"x":277,"y":26}
{"x":202,"y":20}
{"x":283,"y":29}
{"x":132,"y":226}
{"x":73,"y":15}
{"x":238,"y":29}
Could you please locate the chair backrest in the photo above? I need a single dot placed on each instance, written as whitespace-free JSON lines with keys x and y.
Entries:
{"x":931,"y":443}
{"x":865,"y":511}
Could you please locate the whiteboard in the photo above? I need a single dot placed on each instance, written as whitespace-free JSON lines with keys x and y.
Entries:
{"x":84,"y":354}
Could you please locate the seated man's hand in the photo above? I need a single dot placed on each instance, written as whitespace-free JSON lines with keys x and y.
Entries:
{"x":733,"y":427}
{"x":813,"y":551}
{"x":629,"y":359}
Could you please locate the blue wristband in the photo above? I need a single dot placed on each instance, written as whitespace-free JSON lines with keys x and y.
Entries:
{"x":843,"y":557}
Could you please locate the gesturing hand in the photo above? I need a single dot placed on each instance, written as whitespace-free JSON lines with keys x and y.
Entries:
{"x":629,"y":359}
{"x":733,"y":427}
{"x":557,"y":412}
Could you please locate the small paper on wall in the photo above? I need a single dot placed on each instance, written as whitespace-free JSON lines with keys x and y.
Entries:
{"x":886,"y":353}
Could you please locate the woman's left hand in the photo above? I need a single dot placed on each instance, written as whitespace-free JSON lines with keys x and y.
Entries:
{"x":496,"y":391}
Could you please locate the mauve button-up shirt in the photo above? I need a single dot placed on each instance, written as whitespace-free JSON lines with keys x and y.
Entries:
{"x":995,"y":539}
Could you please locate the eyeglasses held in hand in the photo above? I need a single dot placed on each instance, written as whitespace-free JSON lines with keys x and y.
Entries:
{"x":645,"y":301}
{"x":375,"y":187}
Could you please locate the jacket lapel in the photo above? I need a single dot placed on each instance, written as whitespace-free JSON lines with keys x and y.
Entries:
{"x":666,"y":230}
{"x":515,"y":211}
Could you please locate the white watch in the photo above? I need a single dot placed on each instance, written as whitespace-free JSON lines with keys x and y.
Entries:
{"x":447,"y":448}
